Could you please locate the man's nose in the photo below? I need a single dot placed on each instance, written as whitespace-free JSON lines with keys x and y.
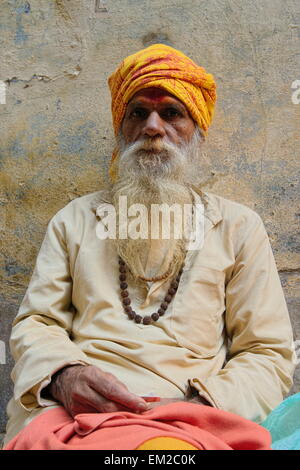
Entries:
{"x":154,"y":126}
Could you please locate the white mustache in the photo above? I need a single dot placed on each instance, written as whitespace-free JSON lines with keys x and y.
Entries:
{"x":156,"y":148}
{"x":156,"y":145}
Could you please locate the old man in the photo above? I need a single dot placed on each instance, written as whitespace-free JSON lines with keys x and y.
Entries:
{"x":109,"y":324}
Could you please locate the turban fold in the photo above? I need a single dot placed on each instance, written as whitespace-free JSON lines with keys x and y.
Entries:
{"x":162,"y":66}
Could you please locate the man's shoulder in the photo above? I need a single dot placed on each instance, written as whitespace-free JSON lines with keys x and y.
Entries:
{"x":82,"y":205}
{"x":231,"y":211}
{"x":229,"y":207}
{"x":240,"y":223}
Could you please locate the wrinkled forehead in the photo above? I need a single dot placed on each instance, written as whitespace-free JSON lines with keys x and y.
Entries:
{"x":157,"y":95}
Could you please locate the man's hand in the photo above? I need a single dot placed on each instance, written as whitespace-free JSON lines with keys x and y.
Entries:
{"x":87,"y":389}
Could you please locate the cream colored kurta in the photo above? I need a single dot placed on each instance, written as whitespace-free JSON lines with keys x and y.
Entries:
{"x":227,"y":331}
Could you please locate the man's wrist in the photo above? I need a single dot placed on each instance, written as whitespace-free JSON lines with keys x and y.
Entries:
{"x":51,"y":390}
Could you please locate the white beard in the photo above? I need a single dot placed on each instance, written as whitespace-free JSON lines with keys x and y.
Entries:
{"x":155,"y":172}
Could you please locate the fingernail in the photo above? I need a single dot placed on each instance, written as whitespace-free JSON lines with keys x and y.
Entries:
{"x":143,"y":407}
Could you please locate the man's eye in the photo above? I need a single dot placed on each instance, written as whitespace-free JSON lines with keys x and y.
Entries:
{"x":171,"y":113}
{"x":138,"y":113}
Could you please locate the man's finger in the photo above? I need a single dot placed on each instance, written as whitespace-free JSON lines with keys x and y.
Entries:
{"x":114,"y":391}
{"x":99,"y":403}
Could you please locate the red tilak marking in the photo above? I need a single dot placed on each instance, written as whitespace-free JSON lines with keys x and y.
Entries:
{"x":154,"y":94}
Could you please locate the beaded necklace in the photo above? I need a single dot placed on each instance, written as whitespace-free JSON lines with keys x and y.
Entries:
{"x":132,"y":315}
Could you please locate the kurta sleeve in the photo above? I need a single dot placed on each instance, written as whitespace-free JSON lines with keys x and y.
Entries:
{"x":40,"y":340}
{"x":261,"y":357}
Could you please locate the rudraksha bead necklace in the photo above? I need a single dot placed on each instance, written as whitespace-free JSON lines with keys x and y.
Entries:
{"x":132,"y":315}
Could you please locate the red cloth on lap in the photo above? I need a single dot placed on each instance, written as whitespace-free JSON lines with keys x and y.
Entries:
{"x":204,"y":427}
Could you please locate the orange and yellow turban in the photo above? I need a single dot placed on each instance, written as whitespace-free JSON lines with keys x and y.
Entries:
{"x":162,"y":66}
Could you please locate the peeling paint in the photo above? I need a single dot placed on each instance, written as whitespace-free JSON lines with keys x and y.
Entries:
{"x":45,"y":78}
{"x":12,"y":80}
{"x":62,"y":10}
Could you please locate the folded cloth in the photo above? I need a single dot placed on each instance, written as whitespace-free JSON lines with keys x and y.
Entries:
{"x":203,"y":427}
{"x":284,"y":424}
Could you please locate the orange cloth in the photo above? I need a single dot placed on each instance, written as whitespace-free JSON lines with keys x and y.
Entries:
{"x":162,"y":66}
{"x":203,"y":427}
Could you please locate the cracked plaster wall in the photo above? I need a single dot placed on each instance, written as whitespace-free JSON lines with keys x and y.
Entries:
{"x":55,"y":127}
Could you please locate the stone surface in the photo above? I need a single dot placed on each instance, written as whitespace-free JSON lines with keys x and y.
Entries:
{"x":55,"y":129}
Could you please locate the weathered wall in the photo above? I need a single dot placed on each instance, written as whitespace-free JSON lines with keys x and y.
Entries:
{"x":56,"y":135}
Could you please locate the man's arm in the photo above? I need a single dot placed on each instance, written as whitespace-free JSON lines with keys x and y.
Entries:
{"x":41,"y":345}
{"x":260,"y":361}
